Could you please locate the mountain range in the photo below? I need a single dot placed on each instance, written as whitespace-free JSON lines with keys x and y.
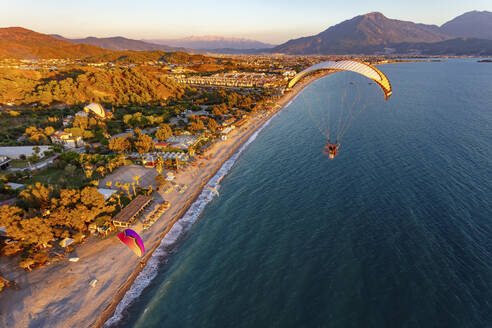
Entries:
{"x":474,"y":24}
{"x":21,"y":43}
{"x":372,"y":33}
{"x":375,"y":33}
{"x":120,"y":43}
{"x":211,"y":42}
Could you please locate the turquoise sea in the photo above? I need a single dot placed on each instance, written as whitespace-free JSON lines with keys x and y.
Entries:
{"x":395,"y":232}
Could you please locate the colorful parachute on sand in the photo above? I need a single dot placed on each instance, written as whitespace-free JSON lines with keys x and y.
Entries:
{"x":365,"y":69}
{"x":131,"y":239}
{"x":213,"y":189}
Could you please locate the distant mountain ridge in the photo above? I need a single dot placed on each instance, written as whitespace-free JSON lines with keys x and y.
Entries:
{"x":452,"y":47}
{"x":361,"y":33}
{"x":208,"y":42}
{"x":473,"y":24}
{"x":373,"y":33}
{"x":21,"y":43}
{"x":120,"y":43}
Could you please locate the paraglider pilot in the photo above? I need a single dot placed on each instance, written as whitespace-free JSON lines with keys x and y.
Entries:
{"x":331,"y":149}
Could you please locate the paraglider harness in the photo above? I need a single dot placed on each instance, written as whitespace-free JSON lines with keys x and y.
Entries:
{"x":331,"y":149}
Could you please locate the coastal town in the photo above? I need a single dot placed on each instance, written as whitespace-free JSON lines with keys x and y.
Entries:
{"x":75,"y":173}
{"x":82,"y":159}
{"x":245,"y":164}
{"x":204,"y":164}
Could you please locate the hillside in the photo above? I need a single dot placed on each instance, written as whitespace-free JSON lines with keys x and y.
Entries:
{"x":119,"y":86}
{"x":120,"y":43}
{"x":457,"y":47}
{"x":138,"y":57}
{"x":473,"y":24}
{"x":21,"y":43}
{"x":360,"y":34}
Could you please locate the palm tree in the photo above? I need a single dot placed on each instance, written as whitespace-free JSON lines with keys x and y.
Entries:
{"x":134,"y":192}
{"x":126,"y":186}
{"x":118,"y":198}
{"x":101,"y":170}
{"x":111,"y":165}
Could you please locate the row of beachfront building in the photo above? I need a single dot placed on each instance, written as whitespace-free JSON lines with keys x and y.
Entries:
{"x":234,"y":79}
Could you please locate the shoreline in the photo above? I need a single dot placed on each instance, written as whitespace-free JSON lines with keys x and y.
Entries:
{"x":110,"y":311}
{"x":58,"y":295}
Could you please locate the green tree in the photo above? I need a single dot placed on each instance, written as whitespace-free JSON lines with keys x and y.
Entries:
{"x":144,"y":144}
{"x":81,"y":122}
{"x":212,"y":125}
{"x":36,"y":135}
{"x":49,"y":130}
{"x":163,"y":132}
{"x":37,"y":195}
{"x":119,"y":144}
{"x":87,"y":134}
{"x":33,"y":231}
{"x":196,"y":125}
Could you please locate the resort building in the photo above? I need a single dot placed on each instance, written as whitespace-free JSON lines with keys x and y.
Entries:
{"x":240,"y":122}
{"x":150,"y":160}
{"x":233,"y":79}
{"x":182,"y":141}
{"x":81,"y":113}
{"x":128,"y":215}
{"x":225,"y":132}
{"x":161,"y":145}
{"x":182,"y":157}
{"x":228,"y":121}
{"x":4,"y":162}
{"x":66,"y":139}
{"x":67,"y":120}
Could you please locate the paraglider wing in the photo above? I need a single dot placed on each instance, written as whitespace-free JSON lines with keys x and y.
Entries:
{"x":214,"y":190}
{"x":131,"y":239}
{"x":367,"y":70}
{"x":96,"y":109}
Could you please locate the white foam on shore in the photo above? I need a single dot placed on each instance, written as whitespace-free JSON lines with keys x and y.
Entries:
{"x":291,"y":101}
{"x":149,"y":272}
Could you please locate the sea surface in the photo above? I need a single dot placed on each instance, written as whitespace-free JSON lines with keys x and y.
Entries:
{"x":394,"y":232}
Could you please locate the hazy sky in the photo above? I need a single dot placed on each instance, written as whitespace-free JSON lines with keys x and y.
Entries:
{"x":272,"y":21}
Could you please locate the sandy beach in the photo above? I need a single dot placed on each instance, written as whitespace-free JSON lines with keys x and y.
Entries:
{"x":59,"y":295}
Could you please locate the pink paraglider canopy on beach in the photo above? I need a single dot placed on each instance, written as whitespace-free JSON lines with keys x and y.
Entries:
{"x":131,"y":239}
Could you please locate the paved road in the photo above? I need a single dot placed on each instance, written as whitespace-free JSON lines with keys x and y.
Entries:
{"x":36,"y":166}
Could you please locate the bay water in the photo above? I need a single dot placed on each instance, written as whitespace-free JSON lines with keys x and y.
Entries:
{"x":394,"y":232}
